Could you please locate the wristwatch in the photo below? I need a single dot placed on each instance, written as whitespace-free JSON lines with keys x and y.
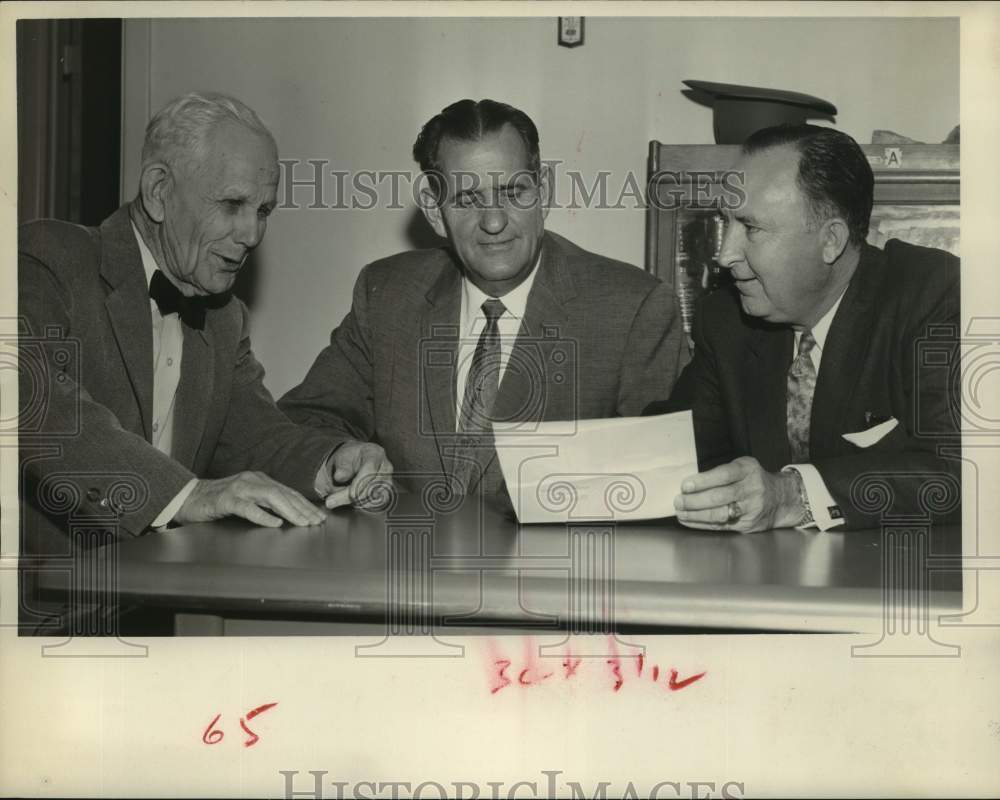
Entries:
{"x":807,"y":514}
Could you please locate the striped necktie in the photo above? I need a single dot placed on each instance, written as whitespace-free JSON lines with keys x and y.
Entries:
{"x":481,"y":387}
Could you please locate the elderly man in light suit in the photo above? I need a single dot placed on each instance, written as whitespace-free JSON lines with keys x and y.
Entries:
{"x":161,"y":417}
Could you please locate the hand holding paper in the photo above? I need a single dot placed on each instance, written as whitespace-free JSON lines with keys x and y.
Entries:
{"x":601,"y":469}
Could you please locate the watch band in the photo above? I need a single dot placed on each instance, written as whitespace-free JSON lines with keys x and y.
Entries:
{"x":807,"y":514}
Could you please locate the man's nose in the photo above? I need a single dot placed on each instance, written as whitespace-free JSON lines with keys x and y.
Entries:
{"x":493,"y":220}
{"x":250,"y":227}
{"x":731,"y":252}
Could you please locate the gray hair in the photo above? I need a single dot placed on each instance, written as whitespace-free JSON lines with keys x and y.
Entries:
{"x":177,"y":133}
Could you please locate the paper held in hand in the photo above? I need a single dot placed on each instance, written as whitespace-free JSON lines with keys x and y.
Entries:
{"x":597,"y":469}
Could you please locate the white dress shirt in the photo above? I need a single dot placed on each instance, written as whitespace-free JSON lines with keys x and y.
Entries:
{"x":168,"y":349}
{"x":820,"y":500}
{"x":472,"y":321}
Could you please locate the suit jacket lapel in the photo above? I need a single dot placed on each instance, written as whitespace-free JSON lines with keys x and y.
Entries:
{"x":846,"y":344}
{"x":440,"y":329}
{"x":190,"y":404}
{"x":765,"y":378}
{"x":127,"y":304}
{"x":542,"y":329}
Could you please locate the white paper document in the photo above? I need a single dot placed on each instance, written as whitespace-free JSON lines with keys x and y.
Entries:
{"x":597,"y":469}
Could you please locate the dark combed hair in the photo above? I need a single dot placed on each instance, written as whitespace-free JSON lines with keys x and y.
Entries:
{"x":468,"y":121}
{"x":834,"y":174}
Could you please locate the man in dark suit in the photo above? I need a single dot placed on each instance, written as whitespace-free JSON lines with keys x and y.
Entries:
{"x":509,"y":323}
{"x":812,"y":405}
{"x":158,"y":414}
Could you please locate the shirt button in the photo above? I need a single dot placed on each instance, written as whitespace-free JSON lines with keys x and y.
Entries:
{"x":156,"y":427}
{"x":170,"y":362}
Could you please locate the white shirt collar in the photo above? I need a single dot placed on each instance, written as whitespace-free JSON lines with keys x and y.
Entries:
{"x":822,"y":328}
{"x":515,"y":301}
{"x":148,"y":262}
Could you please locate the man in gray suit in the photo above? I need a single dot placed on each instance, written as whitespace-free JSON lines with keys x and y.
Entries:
{"x":509,"y":323}
{"x":155,"y":412}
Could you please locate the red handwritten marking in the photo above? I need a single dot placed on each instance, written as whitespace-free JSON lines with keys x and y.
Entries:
{"x":571,"y":664}
{"x":616,"y":669}
{"x":525,"y":682}
{"x":215,"y":736}
{"x":254,"y":738}
{"x":503,"y":663}
{"x":211,"y":736}
{"x":616,"y":663}
{"x":675,"y":684}
{"x":260,"y":710}
{"x":528,"y":672}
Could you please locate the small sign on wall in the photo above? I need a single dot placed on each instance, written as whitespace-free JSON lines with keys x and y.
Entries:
{"x":570,"y":31}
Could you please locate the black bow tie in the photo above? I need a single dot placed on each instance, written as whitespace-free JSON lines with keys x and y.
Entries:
{"x":170,"y":301}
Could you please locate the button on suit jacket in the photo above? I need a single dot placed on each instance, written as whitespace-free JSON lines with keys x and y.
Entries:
{"x":599,"y":338}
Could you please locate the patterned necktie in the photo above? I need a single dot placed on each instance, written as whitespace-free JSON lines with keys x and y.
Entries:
{"x":481,"y":387}
{"x":801,"y":385}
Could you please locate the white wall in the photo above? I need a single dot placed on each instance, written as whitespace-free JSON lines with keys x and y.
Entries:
{"x":355,"y":92}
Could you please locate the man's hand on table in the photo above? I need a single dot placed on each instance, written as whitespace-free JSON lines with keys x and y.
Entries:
{"x":250,"y":495}
{"x":740,"y":496}
{"x":363,"y":467}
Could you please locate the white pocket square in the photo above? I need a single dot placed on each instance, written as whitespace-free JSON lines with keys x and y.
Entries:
{"x":869,"y":437}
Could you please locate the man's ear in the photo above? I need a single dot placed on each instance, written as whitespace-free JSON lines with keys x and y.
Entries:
{"x":544,"y":188}
{"x":834,"y":236}
{"x":432,"y":211}
{"x":154,"y":187}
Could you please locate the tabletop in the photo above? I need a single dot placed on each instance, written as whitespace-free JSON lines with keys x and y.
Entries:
{"x":421,"y":570}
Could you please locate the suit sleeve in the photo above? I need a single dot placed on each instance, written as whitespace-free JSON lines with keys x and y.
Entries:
{"x":257,"y":435}
{"x":908,"y":471}
{"x":700,"y":380}
{"x":336,"y":395}
{"x":655,"y":352}
{"x":76,"y":457}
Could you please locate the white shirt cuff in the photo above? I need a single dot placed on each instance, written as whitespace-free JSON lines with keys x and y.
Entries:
{"x":826,"y":513}
{"x":171,"y":509}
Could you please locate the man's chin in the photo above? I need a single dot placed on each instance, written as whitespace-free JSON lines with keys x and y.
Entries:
{"x":220,"y":284}
{"x":497,"y":277}
{"x":753,"y":307}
